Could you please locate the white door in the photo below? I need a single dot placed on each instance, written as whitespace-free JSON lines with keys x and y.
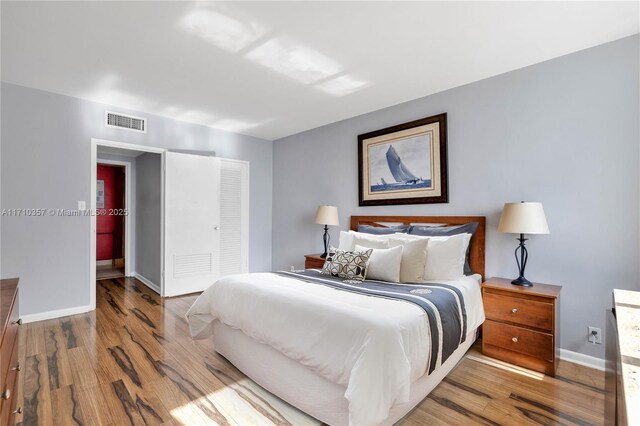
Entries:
{"x":234,"y":217}
{"x":192,"y":223}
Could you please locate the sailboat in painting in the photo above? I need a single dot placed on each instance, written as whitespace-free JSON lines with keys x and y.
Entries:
{"x":398,"y":170}
{"x":404,"y":178}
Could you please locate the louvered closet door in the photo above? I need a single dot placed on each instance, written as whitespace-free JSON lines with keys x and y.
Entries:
{"x":234,"y":217}
{"x":192,"y":230}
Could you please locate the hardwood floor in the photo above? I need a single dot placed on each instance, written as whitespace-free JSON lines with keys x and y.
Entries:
{"x":104,"y":272}
{"x":132,"y":362}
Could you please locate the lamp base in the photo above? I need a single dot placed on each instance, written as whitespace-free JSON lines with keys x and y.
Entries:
{"x":522,"y":281}
{"x":325,"y":238}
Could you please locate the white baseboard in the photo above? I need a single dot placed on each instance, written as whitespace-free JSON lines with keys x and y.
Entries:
{"x":582,"y":359}
{"x":146,"y":281}
{"x":55,"y":314}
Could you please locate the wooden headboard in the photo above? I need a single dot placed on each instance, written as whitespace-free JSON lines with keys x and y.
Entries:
{"x":476,"y":246}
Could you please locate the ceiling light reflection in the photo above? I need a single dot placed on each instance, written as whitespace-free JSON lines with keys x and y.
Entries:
{"x":233,"y":125}
{"x":342,"y":85}
{"x":193,"y":116}
{"x":288,"y":57}
{"x":106,"y":92}
{"x":222,"y":30}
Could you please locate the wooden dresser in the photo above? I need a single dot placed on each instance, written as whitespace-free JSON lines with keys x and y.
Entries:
{"x":9,"y":365}
{"x":313,"y":261}
{"x":522,"y":324}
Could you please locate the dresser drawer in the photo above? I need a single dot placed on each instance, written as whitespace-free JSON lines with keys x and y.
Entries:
{"x":518,"y":339}
{"x":9,"y":342}
{"x":517,"y":310}
{"x":8,"y":389}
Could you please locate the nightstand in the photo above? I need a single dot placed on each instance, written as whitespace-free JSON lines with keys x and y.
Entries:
{"x":313,"y":261}
{"x":522,"y":325}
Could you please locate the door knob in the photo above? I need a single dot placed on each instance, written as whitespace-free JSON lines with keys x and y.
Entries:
{"x":514,"y":310}
{"x":216,"y":228}
{"x":514,"y":339}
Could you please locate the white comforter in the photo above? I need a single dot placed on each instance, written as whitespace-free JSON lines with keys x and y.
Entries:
{"x":375,"y":347}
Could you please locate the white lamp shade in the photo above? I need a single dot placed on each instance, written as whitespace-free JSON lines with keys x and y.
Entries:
{"x":327,"y":215}
{"x":523,"y":218}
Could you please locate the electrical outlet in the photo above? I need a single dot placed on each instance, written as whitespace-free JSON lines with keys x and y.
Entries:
{"x":595,"y":335}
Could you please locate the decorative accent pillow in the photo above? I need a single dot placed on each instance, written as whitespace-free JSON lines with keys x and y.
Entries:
{"x":445,"y":257}
{"x":384,"y":264}
{"x":414,"y":258}
{"x":350,"y":265}
{"x":385,"y":230}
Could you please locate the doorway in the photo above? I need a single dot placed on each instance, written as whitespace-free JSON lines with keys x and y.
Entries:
{"x":111,"y":209}
{"x":128,"y":243}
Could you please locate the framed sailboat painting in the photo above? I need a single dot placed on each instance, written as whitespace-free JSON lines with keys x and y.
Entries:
{"x":404,"y":164}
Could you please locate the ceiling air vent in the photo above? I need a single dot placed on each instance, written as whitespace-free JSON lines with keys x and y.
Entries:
{"x":128,"y":122}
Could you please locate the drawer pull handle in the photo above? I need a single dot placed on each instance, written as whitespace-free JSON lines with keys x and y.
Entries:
{"x":6,"y":394}
{"x":18,"y":321}
{"x":18,"y":367}
{"x":17,"y":411}
{"x":514,"y":339}
{"x":514,"y":310}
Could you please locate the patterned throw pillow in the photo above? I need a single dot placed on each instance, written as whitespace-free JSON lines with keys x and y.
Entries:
{"x":350,"y":265}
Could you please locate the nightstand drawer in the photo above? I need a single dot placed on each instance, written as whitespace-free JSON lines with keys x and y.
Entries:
{"x":518,"y":339}
{"x":516,"y":310}
{"x":313,"y":261}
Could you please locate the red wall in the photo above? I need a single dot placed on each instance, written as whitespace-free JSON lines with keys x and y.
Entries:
{"x":107,"y":244}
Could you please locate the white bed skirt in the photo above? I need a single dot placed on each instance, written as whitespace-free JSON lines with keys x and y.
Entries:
{"x":306,"y":390}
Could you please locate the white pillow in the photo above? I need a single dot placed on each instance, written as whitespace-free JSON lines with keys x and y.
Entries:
{"x":384,"y":264}
{"x":414,"y":258}
{"x":347,"y":243}
{"x":410,"y":237}
{"x":466,"y":239}
{"x":445,"y":257}
{"x":368,"y":242}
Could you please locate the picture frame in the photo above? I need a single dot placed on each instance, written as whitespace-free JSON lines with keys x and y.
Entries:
{"x":404,"y":164}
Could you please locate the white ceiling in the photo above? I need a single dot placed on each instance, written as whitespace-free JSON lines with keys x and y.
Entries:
{"x":272,"y":69}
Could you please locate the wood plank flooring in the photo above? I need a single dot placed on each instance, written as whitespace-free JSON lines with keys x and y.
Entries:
{"x":131,"y":361}
{"x":104,"y":272}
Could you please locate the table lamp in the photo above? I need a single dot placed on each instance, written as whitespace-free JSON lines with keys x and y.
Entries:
{"x":523,"y":218}
{"x":327,"y":215}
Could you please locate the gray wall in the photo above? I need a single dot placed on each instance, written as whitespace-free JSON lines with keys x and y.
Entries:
{"x":564,"y":132}
{"x":45,"y":156}
{"x":149,"y":217}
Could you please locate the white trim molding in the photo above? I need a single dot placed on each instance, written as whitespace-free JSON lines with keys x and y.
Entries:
{"x":146,"y":281}
{"x":42,"y":316}
{"x":582,"y":359}
{"x":129,"y":146}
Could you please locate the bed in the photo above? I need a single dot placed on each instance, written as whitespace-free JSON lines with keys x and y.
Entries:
{"x":355,"y":359}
